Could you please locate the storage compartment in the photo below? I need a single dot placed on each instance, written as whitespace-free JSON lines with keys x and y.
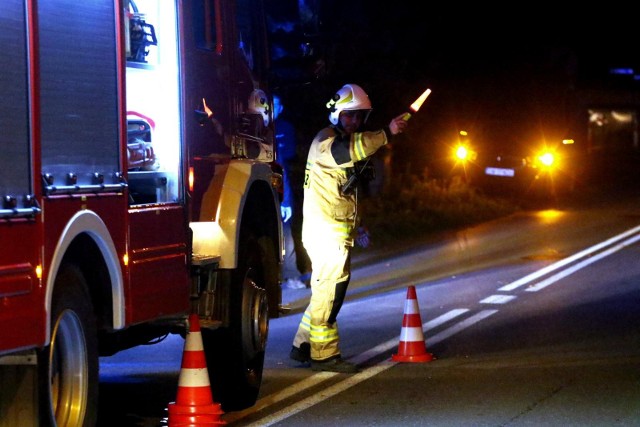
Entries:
{"x":154,"y":137}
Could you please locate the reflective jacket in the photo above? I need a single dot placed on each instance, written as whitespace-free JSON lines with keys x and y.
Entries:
{"x":328,"y":213}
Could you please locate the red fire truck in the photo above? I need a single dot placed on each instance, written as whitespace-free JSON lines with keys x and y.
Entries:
{"x":137,"y":187}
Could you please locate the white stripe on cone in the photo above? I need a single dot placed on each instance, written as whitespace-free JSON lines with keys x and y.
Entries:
{"x":194,"y":378}
{"x":411,"y":334}
{"x":411,"y":307}
{"x":194,"y":342}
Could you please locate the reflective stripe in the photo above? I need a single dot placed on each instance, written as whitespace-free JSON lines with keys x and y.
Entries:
{"x":343,"y":228}
{"x":305,"y":323}
{"x":195,"y":343}
{"x":411,"y":334}
{"x":411,"y":306}
{"x":339,"y":230}
{"x":358,"y":148}
{"x":194,"y":378}
{"x":323,"y":334}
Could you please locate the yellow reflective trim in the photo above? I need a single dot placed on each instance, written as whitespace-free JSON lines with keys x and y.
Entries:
{"x":348,"y":98}
{"x":323,"y":334}
{"x":323,"y":338}
{"x":344,"y":235}
{"x":342,"y":227}
{"x":358,"y":147}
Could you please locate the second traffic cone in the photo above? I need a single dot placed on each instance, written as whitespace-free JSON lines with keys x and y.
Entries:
{"x":194,"y":405}
{"x":412,"y":347}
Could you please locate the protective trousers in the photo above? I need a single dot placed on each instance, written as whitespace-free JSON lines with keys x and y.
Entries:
{"x":330,"y":275}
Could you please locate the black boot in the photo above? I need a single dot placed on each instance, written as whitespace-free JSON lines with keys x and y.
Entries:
{"x":302,"y":354}
{"x":334,"y":364}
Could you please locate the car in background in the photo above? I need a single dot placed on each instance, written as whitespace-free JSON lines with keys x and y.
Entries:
{"x":515,"y":165}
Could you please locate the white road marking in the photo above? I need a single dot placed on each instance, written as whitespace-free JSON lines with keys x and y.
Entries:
{"x":386,"y":346}
{"x":564,"y":273}
{"x":324,"y":394}
{"x":498,"y":299}
{"x":281,"y":395}
{"x":548,"y":269}
{"x":320,"y":377}
{"x":460,"y":326}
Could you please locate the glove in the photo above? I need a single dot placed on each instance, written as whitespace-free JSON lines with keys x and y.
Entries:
{"x":285,"y":211}
{"x":363,"y":239}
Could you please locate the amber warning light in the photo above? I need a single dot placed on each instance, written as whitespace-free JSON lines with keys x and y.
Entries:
{"x":417,"y":104}
{"x":191,"y":179}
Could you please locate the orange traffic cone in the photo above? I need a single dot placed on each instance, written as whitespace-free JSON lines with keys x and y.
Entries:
{"x":412,"y":347}
{"x":194,"y":405}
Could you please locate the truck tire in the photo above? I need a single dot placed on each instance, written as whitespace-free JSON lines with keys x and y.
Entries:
{"x":68,"y":367}
{"x":235,"y":355}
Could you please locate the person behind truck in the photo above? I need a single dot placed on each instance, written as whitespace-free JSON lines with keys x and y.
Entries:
{"x":330,"y":220}
{"x":297,"y":265}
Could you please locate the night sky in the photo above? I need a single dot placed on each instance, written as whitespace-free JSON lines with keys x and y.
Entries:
{"x":429,"y":41}
{"x":519,"y":64}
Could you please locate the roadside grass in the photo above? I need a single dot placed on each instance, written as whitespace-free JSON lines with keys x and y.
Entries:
{"x":415,"y":207}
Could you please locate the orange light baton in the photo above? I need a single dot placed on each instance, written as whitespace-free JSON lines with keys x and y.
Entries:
{"x":206,"y":108}
{"x":417,"y":104}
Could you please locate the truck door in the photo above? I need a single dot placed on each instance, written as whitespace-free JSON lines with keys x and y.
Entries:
{"x":158,"y":227}
{"x":19,"y":213}
{"x":225,"y":57}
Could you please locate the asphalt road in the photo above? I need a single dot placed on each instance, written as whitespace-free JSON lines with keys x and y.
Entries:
{"x":532,"y":320}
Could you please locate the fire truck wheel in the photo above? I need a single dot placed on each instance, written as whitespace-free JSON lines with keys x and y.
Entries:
{"x":68,"y":367}
{"x":235,"y":355}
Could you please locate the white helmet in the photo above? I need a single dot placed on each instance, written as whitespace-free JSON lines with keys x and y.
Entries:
{"x":350,"y":97}
{"x":259,"y":104}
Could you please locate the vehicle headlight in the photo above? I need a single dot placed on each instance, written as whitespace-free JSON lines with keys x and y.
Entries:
{"x":546,"y":159}
{"x":463,"y":153}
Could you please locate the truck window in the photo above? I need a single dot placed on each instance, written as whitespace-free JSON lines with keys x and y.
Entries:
{"x":153,"y":113}
{"x":204,"y":26}
{"x":14,"y":119}
{"x":251,"y":38}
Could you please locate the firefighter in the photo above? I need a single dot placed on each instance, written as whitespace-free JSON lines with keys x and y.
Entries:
{"x":330,"y":220}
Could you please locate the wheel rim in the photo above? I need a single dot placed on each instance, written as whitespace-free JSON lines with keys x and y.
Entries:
{"x":68,"y":370}
{"x":256,"y":319}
